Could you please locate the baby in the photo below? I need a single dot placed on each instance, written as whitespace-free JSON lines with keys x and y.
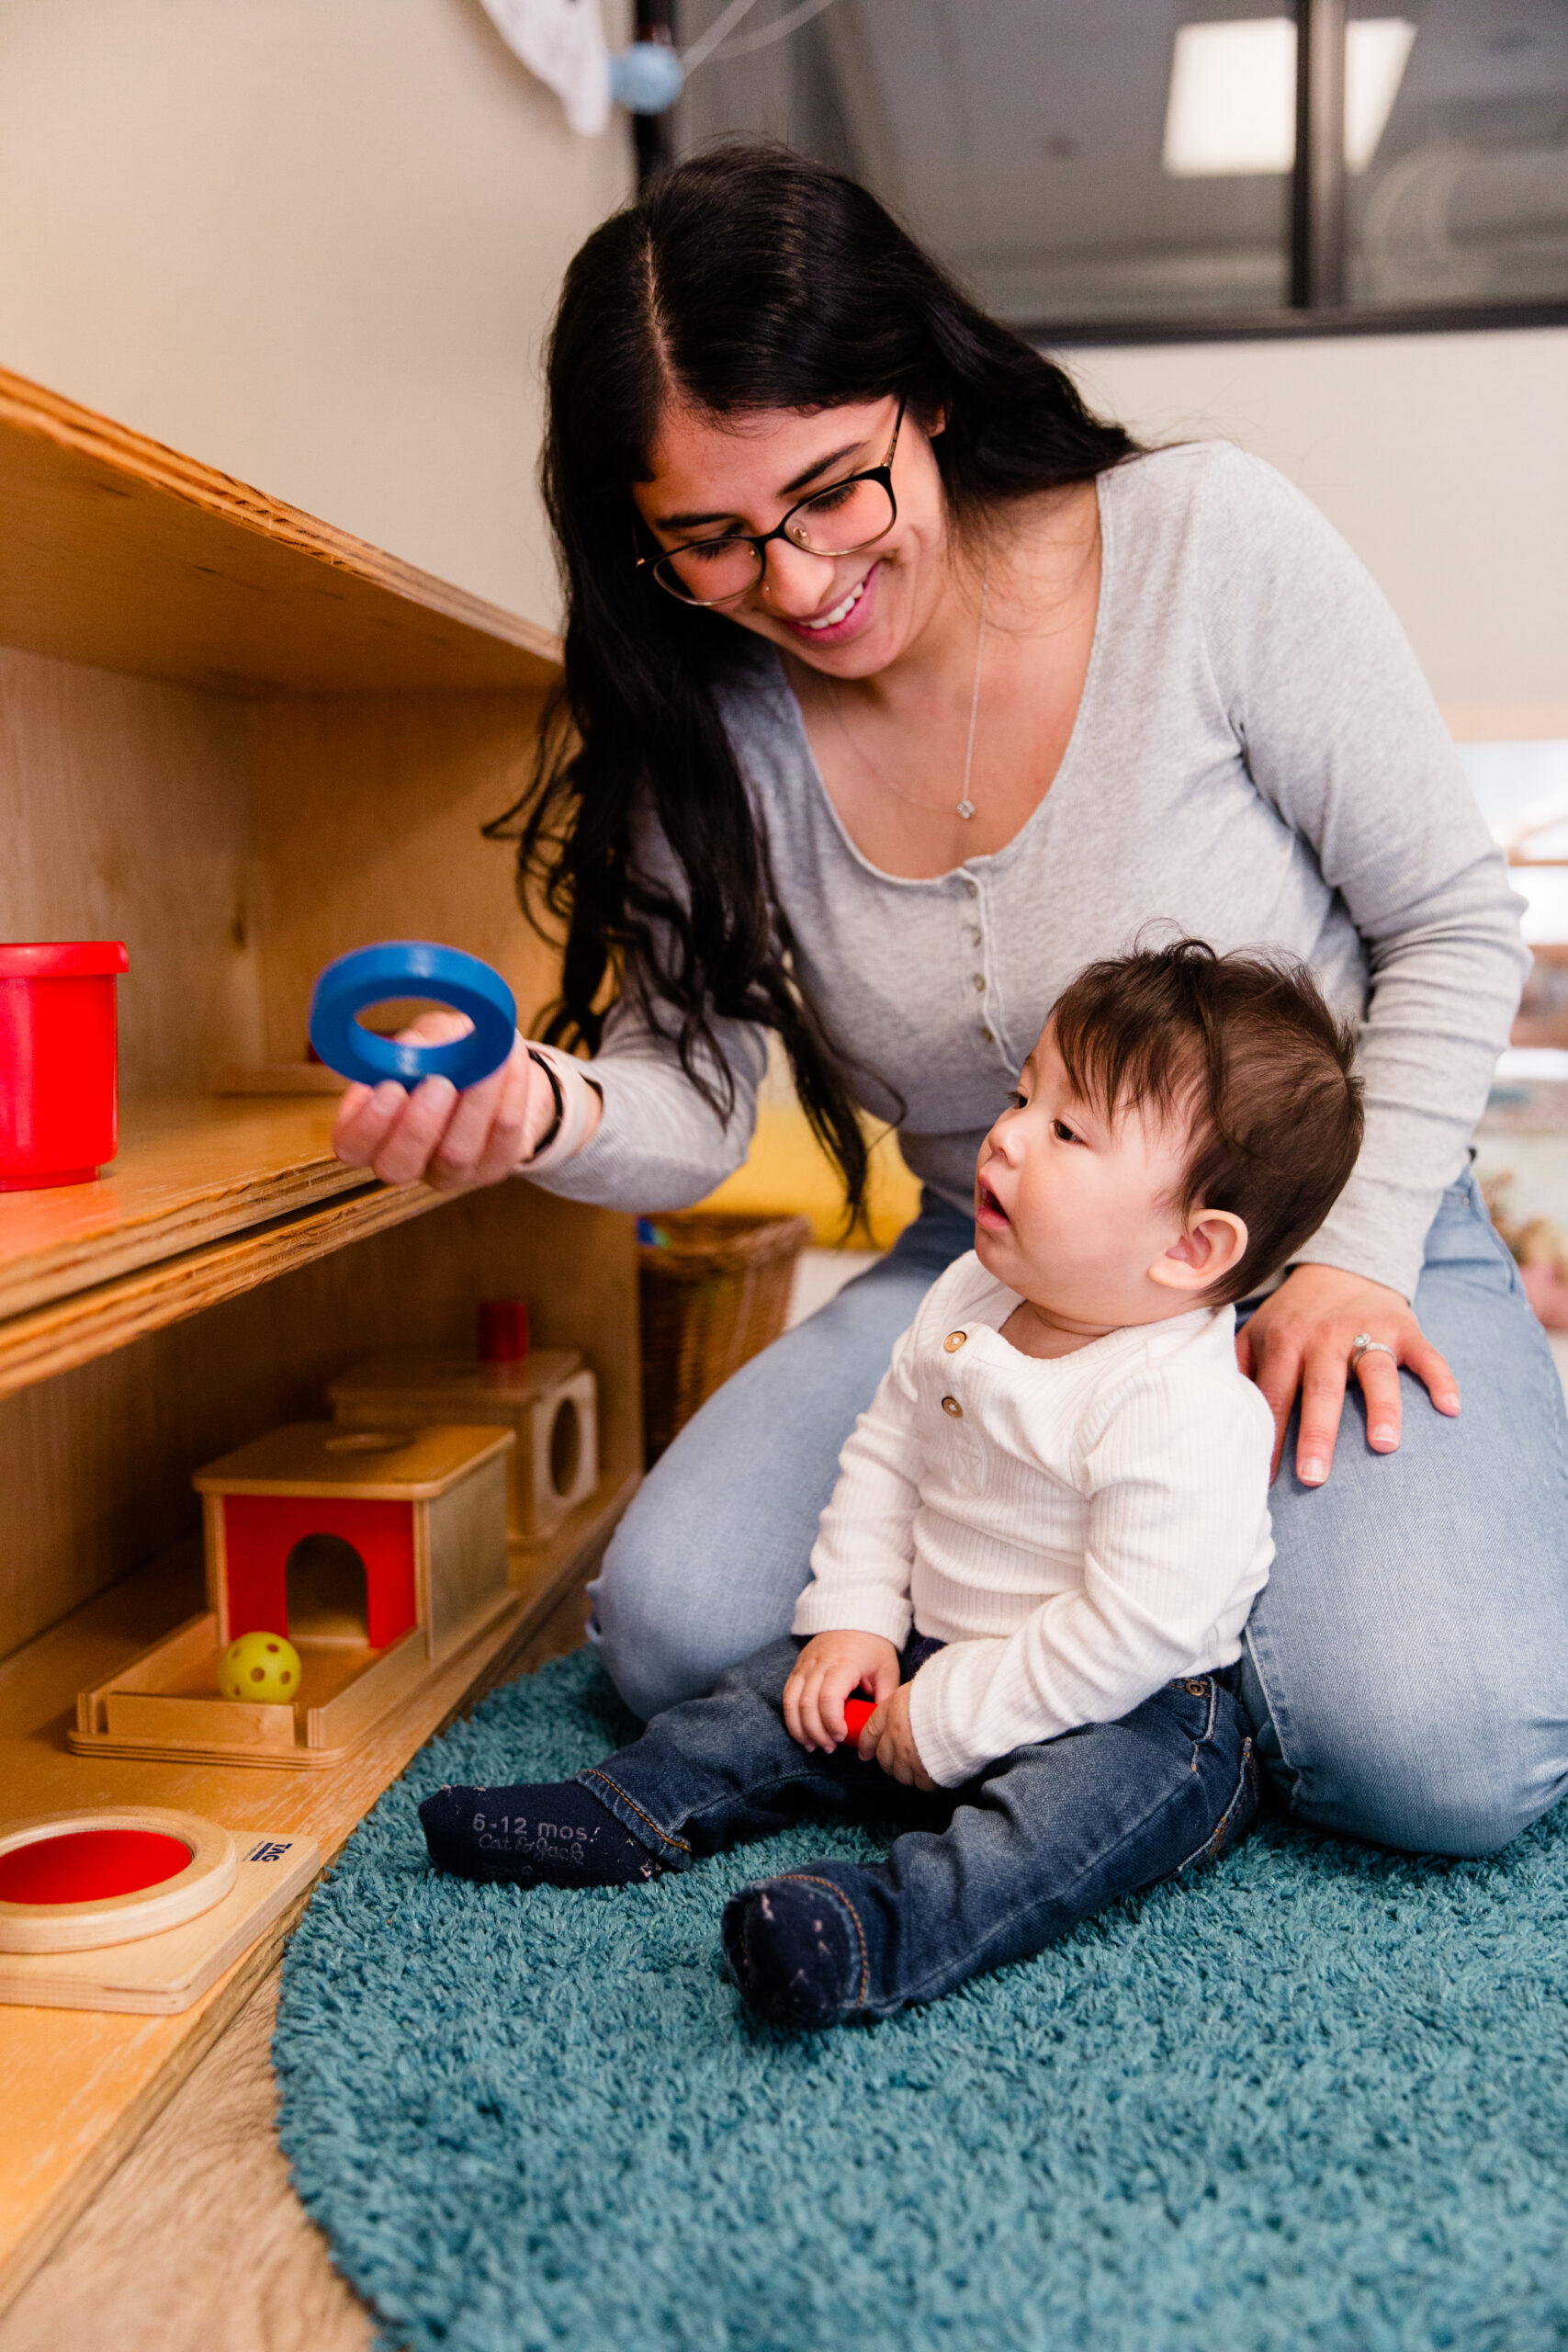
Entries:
{"x":1045,"y":1537}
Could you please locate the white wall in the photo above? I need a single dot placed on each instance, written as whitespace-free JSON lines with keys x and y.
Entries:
{"x":313,"y":242}
{"x":1444,"y":460}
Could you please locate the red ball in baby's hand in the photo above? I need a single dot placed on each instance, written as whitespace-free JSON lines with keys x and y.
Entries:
{"x":858,"y":1712}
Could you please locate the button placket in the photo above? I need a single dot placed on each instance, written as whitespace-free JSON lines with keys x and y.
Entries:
{"x":962,"y":1449}
{"x":973,"y":938}
{"x":985,"y":981}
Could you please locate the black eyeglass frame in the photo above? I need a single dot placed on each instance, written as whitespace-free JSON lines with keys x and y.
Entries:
{"x":760,"y":541}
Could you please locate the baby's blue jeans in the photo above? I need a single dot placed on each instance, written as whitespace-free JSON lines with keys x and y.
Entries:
{"x":983,"y":1875}
{"x":1406,"y":1667}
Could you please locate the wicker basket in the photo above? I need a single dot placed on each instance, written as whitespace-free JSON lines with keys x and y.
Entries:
{"x":713,"y":1296}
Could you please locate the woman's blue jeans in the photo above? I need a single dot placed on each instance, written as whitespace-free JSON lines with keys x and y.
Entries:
{"x":1406,"y":1667}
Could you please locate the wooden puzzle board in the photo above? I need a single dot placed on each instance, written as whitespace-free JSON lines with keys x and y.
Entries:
{"x":161,"y":1975}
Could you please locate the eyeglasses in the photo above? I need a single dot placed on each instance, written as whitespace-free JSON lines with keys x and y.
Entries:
{"x":841,"y":520}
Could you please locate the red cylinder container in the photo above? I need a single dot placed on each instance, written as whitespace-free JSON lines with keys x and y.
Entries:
{"x":502,"y":1330}
{"x":59,"y":1061}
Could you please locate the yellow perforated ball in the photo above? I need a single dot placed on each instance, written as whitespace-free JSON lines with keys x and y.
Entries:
{"x":259,"y":1666}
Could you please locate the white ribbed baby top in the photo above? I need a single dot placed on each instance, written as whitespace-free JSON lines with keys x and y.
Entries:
{"x":1079,"y":1530}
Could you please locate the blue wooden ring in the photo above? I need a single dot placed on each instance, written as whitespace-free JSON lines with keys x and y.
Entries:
{"x":411,"y":967}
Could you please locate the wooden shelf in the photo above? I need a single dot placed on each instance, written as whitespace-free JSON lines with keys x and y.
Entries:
{"x":208,"y":1197}
{"x":243,"y":742}
{"x":190,"y":1169}
{"x":117,"y":551}
{"x":78,"y":2088}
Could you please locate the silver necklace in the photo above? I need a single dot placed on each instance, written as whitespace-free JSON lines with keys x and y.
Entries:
{"x":966,"y":807}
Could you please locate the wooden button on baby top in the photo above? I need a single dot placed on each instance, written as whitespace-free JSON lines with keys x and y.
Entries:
{"x":953,"y":1341}
{"x":951,"y":1404}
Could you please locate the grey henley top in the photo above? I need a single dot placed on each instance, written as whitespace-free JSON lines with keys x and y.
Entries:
{"x":1256,"y":761}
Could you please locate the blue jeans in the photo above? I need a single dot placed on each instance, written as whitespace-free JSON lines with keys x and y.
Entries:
{"x":1406,"y":1667}
{"x":982,"y":1875}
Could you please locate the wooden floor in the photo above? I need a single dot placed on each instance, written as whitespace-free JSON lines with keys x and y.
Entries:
{"x":198,"y":2244}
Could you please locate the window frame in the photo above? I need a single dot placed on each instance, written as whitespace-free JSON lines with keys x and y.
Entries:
{"x":1319,"y":237}
{"x":1319,"y":223}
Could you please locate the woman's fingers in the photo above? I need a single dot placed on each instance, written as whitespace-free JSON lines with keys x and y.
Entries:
{"x":482,"y":1138}
{"x":1377,"y":1373}
{"x":1277,"y":1371}
{"x":506,"y":1145}
{"x":1424,"y":1360}
{"x":364,"y":1116}
{"x":392,"y":1131}
{"x":414,"y":1120}
{"x":1322,"y":1403}
{"x":1304,"y":1335}
{"x":870,"y":1731}
{"x":415,"y":1133}
{"x":452,"y":1140}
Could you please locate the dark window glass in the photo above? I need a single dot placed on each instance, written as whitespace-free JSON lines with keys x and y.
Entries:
{"x":1112,"y":162}
{"x":1458,"y":193}
{"x":1074,"y":160}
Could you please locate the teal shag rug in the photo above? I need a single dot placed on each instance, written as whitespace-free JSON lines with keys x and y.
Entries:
{"x":1316,"y":2097}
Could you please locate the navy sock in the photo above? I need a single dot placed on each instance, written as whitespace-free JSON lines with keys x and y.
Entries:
{"x":790,"y":1947}
{"x":548,"y":1833}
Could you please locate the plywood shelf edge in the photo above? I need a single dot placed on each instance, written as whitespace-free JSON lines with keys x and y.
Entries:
{"x":232,"y":589}
{"x":27,"y":407}
{"x":191,"y":1171}
{"x":92,"y":1323}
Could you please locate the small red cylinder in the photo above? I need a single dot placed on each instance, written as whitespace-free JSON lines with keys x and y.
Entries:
{"x":59,"y":1061}
{"x":503,"y":1331}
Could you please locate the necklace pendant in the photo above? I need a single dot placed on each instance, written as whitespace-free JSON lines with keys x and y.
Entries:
{"x":966,"y":808}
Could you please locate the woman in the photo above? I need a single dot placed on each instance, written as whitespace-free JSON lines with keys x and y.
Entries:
{"x":900,"y":687}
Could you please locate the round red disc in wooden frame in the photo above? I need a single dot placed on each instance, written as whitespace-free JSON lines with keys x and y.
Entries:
{"x":70,"y":1881}
{"x":90,"y":1865}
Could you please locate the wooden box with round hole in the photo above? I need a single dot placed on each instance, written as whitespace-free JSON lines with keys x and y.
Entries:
{"x":377,"y":1552}
{"x":546,"y":1398}
{"x":74,"y":1882}
{"x":136,"y":1907}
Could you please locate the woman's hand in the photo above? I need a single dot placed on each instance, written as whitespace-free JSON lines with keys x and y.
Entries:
{"x":1301,"y":1337}
{"x":887,"y":1736}
{"x":454,"y":1141}
{"x":828,"y":1669}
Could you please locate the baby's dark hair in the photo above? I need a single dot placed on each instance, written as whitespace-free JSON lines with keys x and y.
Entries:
{"x":1245,"y":1047}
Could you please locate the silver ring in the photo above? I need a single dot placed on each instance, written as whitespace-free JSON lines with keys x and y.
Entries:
{"x":1363,"y":1344}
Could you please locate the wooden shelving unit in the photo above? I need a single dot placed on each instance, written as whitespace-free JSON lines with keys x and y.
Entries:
{"x":243,"y":742}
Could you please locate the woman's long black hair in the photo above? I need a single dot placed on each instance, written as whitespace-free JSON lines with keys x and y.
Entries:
{"x":744,"y":278}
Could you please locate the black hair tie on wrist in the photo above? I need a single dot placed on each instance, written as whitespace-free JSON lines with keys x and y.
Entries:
{"x":554,"y":1128}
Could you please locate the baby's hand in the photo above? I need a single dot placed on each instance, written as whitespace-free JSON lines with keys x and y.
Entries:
{"x":828,"y":1669}
{"x":887,"y":1736}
